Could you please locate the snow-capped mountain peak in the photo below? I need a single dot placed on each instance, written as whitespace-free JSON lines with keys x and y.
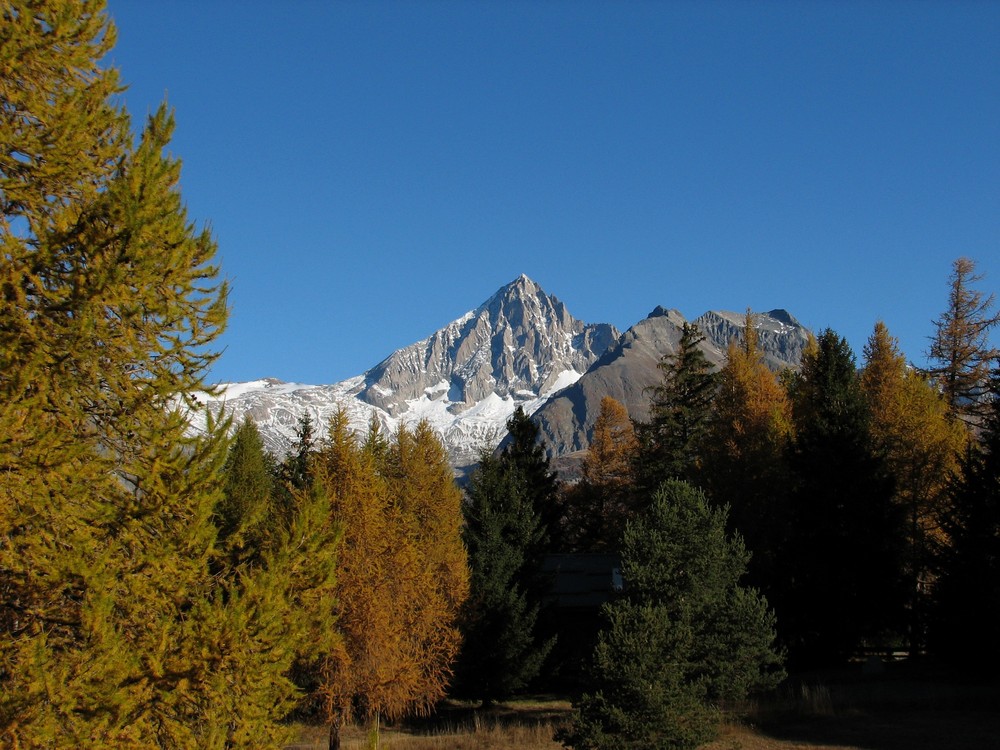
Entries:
{"x":517,"y":348}
{"x":521,"y":347}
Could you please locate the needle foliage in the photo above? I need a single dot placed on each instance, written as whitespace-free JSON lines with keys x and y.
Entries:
{"x":121,"y":623}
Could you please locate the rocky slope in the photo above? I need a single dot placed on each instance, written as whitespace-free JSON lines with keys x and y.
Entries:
{"x":517,"y":344}
{"x":520,"y":347}
{"x":517,"y":348}
{"x":629,"y":368}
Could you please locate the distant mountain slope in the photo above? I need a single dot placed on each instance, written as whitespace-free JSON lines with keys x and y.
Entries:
{"x":520,"y":347}
{"x":466,"y":379}
{"x":782,"y":338}
{"x":628,"y":369}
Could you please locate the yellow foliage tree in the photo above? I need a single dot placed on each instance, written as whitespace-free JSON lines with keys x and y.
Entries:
{"x":609,"y":462}
{"x":116,"y":627}
{"x":429,"y":504}
{"x":911,"y":426}
{"x":743,"y":463}
{"x":597,"y":509}
{"x":402,"y":573}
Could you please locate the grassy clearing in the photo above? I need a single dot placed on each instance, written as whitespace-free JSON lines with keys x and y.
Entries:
{"x":538,"y":737}
{"x":903,"y":709}
{"x":528,"y":724}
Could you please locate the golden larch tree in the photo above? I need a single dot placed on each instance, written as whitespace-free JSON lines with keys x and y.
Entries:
{"x":597,"y":508}
{"x":401,"y":575}
{"x":114,"y":629}
{"x":922,"y":444}
{"x":743,"y":462}
{"x":423,"y":488}
{"x":960,"y":346}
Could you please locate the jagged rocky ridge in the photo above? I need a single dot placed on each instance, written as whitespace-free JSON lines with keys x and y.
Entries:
{"x":518,"y":344}
{"x":629,"y":368}
{"x":517,"y":348}
{"x":520,"y":347}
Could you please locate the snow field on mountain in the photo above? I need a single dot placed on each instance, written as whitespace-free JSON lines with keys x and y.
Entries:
{"x":277,"y":407}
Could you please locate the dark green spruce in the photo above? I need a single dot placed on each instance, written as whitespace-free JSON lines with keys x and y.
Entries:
{"x":679,"y":413}
{"x":844,"y":561}
{"x":501,"y":652}
{"x":968,"y":591}
{"x":684,"y":636}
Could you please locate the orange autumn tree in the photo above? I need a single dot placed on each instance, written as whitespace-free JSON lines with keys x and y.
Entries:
{"x":597,"y":508}
{"x":402,"y":572}
{"x":910,"y":424}
{"x":743,"y":459}
{"x":612,"y":451}
{"x":429,"y":507}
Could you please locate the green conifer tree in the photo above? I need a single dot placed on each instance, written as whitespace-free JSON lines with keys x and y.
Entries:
{"x":525,"y":455}
{"x":845,"y":582}
{"x":296,"y":470}
{"x":685,"y":635}
{"x":679,"y":413}
{"x":501,"y":652}
{"x":247,"y":514}
{"x":114,"y":629}
{"x":967,"y":595}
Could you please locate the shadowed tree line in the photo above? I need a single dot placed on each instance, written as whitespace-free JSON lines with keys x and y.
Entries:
{"x":865,"y":496}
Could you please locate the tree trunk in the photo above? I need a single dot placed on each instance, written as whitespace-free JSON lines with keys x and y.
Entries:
{"x":335,"y":731}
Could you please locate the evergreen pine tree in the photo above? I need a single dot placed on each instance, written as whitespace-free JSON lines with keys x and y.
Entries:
{"x":685,"y":635}
{"x":844,"y":560}
{"x":679,"y":412}
{"x":296,"y":470}
{"x":501,"y":652}
{"x":247,"y":512}
{"x":967,"y":595}
{"x":525,"y":455}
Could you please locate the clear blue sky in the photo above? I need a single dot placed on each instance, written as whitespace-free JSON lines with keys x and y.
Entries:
{"x":372,"y":170}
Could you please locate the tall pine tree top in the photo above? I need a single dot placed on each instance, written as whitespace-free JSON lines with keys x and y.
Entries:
{"x":679,"y":413}
{"x":525,"y":455}
{"x":961,"y":346}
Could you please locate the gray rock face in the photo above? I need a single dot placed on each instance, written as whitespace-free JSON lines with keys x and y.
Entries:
{"x":515,"y":344}
{"x":628,"y":369}
{"x":516,"y":349}
{"x":519,"y":348}
{"x":782,"y":338}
